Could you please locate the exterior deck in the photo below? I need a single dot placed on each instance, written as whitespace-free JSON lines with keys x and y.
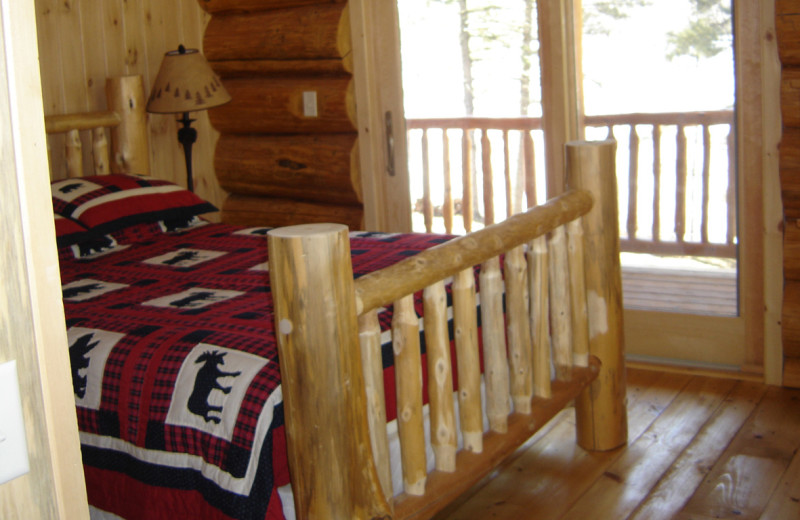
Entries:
{"x":682,"y":287}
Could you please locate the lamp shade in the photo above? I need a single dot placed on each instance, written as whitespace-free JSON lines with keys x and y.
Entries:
{"x":185,"y":83}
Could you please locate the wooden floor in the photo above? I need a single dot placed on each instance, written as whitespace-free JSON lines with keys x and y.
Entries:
{"x":698,"y":448}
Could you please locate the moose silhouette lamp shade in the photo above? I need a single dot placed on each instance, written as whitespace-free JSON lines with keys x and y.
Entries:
{"x":186,"y":83}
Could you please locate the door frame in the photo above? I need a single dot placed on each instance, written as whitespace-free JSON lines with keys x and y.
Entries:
{"x":382,"y":149}
{"x":34,"y":332}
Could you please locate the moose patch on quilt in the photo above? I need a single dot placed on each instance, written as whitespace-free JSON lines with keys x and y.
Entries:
{"x":210,"y":387}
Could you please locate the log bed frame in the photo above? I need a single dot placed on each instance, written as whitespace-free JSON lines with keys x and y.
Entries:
{"x":562,"y":294}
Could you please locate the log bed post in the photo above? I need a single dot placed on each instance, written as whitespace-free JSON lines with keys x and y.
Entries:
{"x":317,"y":331}
{"x":130,"y":150}
{"x":600,"y":409}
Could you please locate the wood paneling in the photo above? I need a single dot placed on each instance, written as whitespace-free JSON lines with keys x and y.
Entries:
{"x":81,"y":42}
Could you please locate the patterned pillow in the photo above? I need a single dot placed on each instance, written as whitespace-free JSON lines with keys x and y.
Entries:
{"x":107,"y":203}
{"x":69,"y":232}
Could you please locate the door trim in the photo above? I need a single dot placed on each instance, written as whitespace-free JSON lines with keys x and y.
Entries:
{"x":378,"y":86}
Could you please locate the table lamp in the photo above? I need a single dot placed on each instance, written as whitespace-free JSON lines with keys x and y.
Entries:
{"x":186,"y":83}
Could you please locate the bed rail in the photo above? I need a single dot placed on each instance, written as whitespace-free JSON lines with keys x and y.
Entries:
{"x":331,"y":372}
{"x":126,"y":120}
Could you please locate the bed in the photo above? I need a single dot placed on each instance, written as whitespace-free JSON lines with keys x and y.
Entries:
{"x":227,"y":372}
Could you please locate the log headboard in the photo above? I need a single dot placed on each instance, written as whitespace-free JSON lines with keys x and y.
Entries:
{"x":125,"y":119}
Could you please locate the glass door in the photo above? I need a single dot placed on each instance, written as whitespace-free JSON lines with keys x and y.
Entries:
{"x":678,"y":85}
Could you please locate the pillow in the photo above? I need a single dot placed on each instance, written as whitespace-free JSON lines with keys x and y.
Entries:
{"x":69,"y":232}
{"x":107,"y":203}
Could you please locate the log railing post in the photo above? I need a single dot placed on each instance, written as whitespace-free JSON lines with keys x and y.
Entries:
{"x":466,"y":179}
{"x":317,"y":333}
{"x":600,"y":409}
{"x":447,"y":204}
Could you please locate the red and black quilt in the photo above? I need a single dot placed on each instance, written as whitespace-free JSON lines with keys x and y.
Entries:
{"x":175,"y":369}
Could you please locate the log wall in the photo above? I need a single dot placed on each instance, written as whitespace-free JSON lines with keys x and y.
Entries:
{"x":81,"y":42}
{"x":788,"y":30}
{"x":280,"y":165}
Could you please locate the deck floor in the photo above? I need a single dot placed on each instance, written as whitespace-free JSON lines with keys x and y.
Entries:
{"x":685,"y":291}
{"x":698,"y":448}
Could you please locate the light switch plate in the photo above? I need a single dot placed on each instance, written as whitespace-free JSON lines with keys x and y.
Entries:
{"x":310,"y":103}
{"x":13,"y":446}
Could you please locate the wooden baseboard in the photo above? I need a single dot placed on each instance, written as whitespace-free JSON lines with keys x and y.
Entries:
{"x":696,"y":370}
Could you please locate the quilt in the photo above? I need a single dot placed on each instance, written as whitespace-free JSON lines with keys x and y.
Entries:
{"x":175,"y":368}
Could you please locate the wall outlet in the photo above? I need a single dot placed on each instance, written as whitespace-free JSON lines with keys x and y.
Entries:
{"x":13,"y":446}
{"x":310,"y":103}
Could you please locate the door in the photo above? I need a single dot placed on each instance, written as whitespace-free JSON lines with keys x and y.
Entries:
{"x":749,"y":341}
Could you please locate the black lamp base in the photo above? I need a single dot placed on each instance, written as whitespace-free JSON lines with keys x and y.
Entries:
{"x":187,"y":136}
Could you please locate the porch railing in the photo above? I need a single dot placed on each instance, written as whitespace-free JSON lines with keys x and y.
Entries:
{"x":675,"y":173}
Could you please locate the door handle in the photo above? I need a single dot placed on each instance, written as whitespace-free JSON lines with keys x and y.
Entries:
{"x":389,"y":128}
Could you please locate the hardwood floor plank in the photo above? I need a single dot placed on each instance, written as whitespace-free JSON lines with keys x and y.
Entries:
{"x":550,"y":475}
{"x":629,"y":479}
{"x":752,"y":467}
{"x":687,"y":473}
{"x":785,"y":502}
{"x":741,"y":462}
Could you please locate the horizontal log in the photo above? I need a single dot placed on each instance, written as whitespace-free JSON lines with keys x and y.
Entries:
{"x":787,"y":28}
{"x":84,"y":121}
{"x":242,"y":210}
{"x":791,"y":319}
{"x":223,"y":6}
{"x":791,"y":250}
{"x":305,"y":32}
{"x":318,"y":167}
{"x":275,"y":105}
{"x":789,"y":155}
{"x":271,"y":68}
{"x":413,"y":274}
{"x":790,"y":97}
{"x":786,"y":7}
{"x":789,"y":148}
{"x":790,"y":193}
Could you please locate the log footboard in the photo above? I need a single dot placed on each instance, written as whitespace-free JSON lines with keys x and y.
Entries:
{"x":561,"y":290}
